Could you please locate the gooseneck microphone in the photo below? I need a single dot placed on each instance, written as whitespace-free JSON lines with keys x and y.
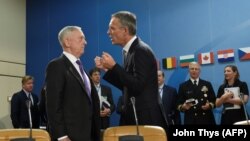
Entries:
{"x":241,"y":95}
{"x":132,"y":99}
{"x":136,"y":137}
{"x":28,"y":104}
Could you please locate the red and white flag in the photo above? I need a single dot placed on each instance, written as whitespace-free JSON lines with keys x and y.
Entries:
{"x":206,"y":58}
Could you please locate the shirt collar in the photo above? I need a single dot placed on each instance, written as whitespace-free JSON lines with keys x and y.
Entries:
{"x":197,"y":80}
{"x":71,"y":57}
{"x":161,"y":86}
{"x":26,"y":92}
{"x":97,"y":85}
{"x":129,"y":43}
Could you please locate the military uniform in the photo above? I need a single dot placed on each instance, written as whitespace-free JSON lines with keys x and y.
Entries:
{"x":200,"y":94}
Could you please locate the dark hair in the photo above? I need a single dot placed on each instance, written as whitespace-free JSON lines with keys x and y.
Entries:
{"x":95,"y":69}
{"x":127,"y":19}
{"x":162,"y":73}
{"x":234,"y":69}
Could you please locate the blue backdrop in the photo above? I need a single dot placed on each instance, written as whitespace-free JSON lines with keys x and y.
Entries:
{"x":170,"y":27}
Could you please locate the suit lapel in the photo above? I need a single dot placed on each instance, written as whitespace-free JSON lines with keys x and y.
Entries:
{"x":130,"y":53}
{"x":75,"y":73}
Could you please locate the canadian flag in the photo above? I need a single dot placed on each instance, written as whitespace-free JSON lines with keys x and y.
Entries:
{"x":206,"y":58}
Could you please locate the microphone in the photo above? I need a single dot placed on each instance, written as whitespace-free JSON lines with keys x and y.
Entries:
{"x":132,"y":99}
{"x":28,"y":104}
{"x":244,"y":107}
{"x":136,"y":137}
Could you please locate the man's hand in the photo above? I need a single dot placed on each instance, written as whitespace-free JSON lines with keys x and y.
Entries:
{"x":106,"y":112}
{"x":107,"y":61}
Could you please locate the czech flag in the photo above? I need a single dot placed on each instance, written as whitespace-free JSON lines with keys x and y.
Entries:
{"x":244,"y":53}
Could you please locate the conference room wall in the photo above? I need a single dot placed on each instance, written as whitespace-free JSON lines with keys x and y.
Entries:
{"x":170,"y":27}
{"x":12,"y":54}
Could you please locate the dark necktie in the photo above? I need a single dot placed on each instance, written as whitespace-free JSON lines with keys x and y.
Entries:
{"x":124,"y":54}
{"x":85,"y":79}
{"x":29,"y":97}
{"x":195,"y":83}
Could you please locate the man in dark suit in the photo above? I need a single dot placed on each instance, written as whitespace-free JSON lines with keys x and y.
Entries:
{"x":168,"y":97}
{"x":71,"y":99}
{"x":107,"y":105}
{"x":196,"y":98}
{"x":19,"y":108}
{"x":138,"y":76}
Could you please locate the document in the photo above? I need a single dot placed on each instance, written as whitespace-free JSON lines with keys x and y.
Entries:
{"x":236,"y":93}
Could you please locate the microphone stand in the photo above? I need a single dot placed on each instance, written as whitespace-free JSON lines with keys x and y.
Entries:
{"x":133,"y":137}
{"x":136,"y":119}
{"x":244,"y":107}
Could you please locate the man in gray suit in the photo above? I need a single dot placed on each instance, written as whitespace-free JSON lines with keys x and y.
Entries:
{"x":72,"y":102}
{"x":138,"y":76}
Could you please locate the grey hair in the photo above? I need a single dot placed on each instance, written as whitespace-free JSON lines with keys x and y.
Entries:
{"x":66,"y":31}
{"x":127,"y":19}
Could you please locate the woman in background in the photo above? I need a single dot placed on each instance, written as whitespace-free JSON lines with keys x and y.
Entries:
{"x":232,"y":94}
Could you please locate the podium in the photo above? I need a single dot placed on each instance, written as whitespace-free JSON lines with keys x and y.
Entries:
{"x":37,"y":134}
{"x":244,"y":122}
{"x":149,"y":133}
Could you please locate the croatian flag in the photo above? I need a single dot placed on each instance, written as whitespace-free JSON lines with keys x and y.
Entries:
{"x":225,"y":55}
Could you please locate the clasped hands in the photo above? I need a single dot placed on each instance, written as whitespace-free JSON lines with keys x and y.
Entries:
{"x":105,"y":62}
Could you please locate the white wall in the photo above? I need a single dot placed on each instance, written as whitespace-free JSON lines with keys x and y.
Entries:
{"x":12,"y":53}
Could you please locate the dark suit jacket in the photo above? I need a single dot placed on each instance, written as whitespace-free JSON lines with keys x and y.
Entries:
{"x":138,"y":79}
{"x":42,"y":108}
{"x":107,"y":93}
{"x":70,"y":110}
{"x":169,"y":99}
{"x":120,"y":109}
{"x":19,"y":111}
{"x":196,"y":115}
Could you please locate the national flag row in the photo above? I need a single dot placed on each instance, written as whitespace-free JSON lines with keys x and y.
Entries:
{"x":206,"y":58}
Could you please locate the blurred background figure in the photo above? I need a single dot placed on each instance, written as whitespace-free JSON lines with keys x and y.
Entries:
{"x":42,"y":109}
{"x":232,"y":94}
{"x":168,"y":97}
{"x":120,"y":109}
{"x":107,"y":105}
{"x":19,"y":108}
{"x":196,"y":98}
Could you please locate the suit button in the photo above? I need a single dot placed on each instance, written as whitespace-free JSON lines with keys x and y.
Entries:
{"x":194,"y":107}
{"x":195,"y":114}
{"x":203,"y":113}
{"x":202,"y":99}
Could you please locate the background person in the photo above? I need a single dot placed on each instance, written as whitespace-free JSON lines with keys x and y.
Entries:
{"x":196,"y":98}
{"x":168,"y":96}
{"x":19,"y":110}
{"x":107,"y":105}
{"x":233,"y":110}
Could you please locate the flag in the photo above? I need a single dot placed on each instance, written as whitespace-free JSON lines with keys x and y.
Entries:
{"x":185,"y":60}
{"x":169,"y":63}
{"x":225,"y":55}
{"x":244,"y":53}
{"x":206,"y":58}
